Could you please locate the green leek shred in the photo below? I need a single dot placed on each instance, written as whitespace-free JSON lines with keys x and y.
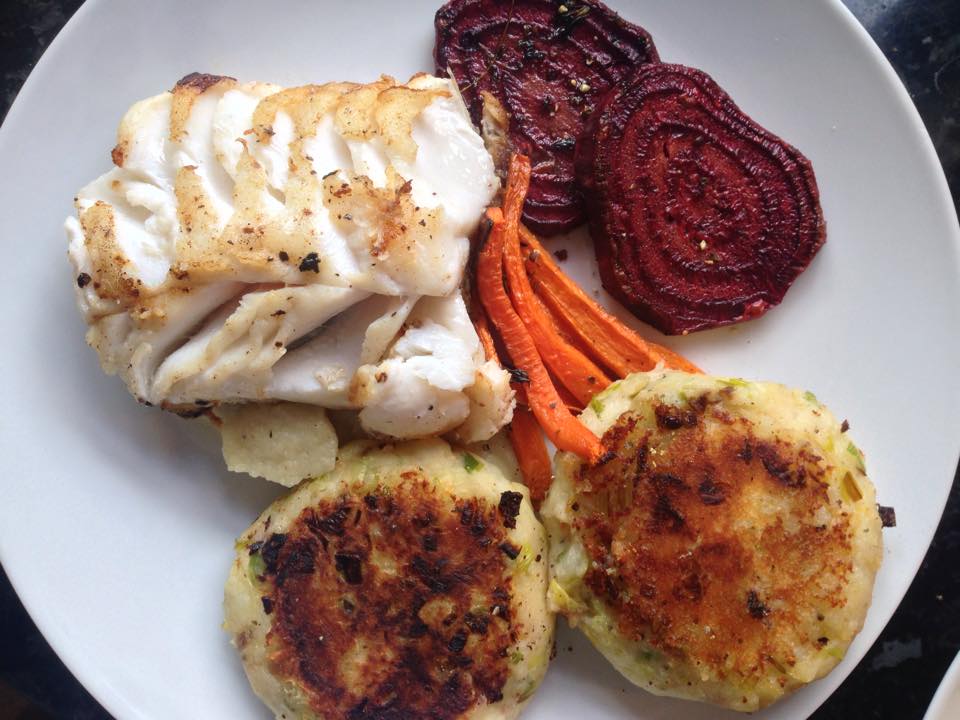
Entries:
{"x":734,"y":382}
{"x":256,"y":568}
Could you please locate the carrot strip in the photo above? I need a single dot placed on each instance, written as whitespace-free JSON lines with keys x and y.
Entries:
{"x":525,"y":435}
{"x":481,"y":323}
{"x":574,"y":370}
{"x":531,"y":452}
{"x":482,"y":326}
{"x":563,"y":428}
{"x":573,"y":405}
{"x":518,"y":181}
{"x":600,"y":334}
{"x":673,"y":360}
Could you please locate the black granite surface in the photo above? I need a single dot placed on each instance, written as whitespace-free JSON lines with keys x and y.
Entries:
{"x":898,"y":676}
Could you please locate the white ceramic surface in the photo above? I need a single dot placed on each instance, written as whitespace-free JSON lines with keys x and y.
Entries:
{"x":946,"y":702}
{"x":117,"y":521}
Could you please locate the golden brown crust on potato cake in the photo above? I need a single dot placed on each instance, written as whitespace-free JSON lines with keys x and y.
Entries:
{"x":403,"y":623}
{"x":666,"y":524}
{"x":724,"y":549}
{"x":410,"y":581}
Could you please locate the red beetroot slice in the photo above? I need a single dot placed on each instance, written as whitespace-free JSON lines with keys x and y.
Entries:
{"x":699,"y":216}
{"x":548,"y":63}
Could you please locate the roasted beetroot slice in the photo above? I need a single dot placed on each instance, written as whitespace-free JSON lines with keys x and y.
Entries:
{"x":548,"y":63}
{"x":699,"y":216}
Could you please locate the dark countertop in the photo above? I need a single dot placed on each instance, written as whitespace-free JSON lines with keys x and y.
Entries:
{"x":897,"y":677}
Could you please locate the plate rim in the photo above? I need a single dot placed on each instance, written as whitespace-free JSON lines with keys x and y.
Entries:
{"x":114,"y":700}
{"x":949,"y":687}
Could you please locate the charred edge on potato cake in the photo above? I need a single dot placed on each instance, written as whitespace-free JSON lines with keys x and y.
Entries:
{"x":401,"y":593}
{"x":659,"y":522}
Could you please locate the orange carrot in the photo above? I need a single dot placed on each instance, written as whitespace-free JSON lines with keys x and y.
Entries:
{"x":482,"y":326}
{"x":563,"y":428}
{"x":573,"y":405}
{"x":481,"y":323}
{"x":531,"y":452}
{"x":600,"y":334}
{"x":574,"y":370}
{"x":514,"y":195}
{"x":673,"y":360}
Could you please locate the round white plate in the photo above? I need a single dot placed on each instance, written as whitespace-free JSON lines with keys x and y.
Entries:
{"x":117,"y":521}
{"x":946,"y":702}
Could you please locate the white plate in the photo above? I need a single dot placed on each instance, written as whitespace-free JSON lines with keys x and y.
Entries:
{"x":946,"y":701}
{"x":117,"y":521}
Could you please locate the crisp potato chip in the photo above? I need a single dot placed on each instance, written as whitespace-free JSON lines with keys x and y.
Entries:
{"x":283,"y":442}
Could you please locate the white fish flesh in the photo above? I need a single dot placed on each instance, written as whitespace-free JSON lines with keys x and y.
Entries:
{"x":258,"y":244}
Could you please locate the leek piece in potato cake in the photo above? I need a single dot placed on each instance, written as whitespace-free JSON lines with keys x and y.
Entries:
{"x":410,"y":581}
{"x":258,"y":244}
{"x":725,"y":548}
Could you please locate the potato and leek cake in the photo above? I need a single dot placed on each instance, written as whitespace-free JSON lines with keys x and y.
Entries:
{"x":306,"y":244}
{"x":725,"y":548}
{"x":408,"y":582}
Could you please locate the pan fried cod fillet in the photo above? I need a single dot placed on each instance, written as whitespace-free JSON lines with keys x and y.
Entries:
{"x":259,"y":243}
{"x":384,"y":182}
{"x":408,"y":582}
{"x":725,"y":550}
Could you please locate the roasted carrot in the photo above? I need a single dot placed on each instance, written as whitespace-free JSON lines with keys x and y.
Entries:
{"x":531,"y":452}
{"x":562,"y":427}
{"x":514,"y":195}
{"x":674,"y":360}
{"x":600,"y":334}
{"x":574,"y":370}
{"x":573,"y":405}
{"x":481,"y":323}
{"x":482,"y":326}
